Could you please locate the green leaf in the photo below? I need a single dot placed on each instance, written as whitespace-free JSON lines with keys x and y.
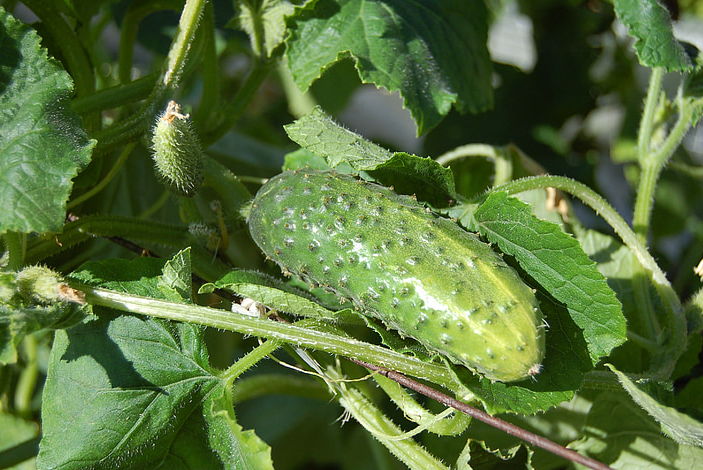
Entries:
{"x":615,"y":262}
{"x":649,"y":23}
{"x":264,"y":22}
{"x":620,"y":434}
{"x":141,"y":389}
{"x":42,"y":142}
{"x":176,"y":281}
{"x":236,"y":447}
{"x":433,"y":53}
{"x":303,"y":158}
{"x":270,"y":292}
{"x":408,"y":174}
{"x":423,"y":177}
{"x":557,"y":262}
{"x":680,"y":427}
{"x":319,"y":134}
{"x":132,"y":385}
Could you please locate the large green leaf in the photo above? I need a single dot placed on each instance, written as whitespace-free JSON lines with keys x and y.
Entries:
{"x":557,"y":262}
{"x":620,"y":434}
{"x":679,"y":426}
{"x":123,"y":388}
{"x":42,"y":142}
{"x":433,"y":53}
{"x":650,"y":24}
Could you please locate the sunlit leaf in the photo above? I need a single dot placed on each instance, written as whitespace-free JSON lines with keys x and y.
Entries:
{"x":42,"y":142}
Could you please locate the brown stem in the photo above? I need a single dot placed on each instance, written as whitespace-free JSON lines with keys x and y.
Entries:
{"x":497,"y":423}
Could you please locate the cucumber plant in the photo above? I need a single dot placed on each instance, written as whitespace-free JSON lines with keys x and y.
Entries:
{"x":140,"y":299}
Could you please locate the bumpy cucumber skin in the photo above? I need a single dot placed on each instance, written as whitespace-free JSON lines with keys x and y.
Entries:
{"x":177,"y":152}
{"x":397,"y":261}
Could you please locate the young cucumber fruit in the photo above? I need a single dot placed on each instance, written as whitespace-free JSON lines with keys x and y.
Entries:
{"x":419,"y":273}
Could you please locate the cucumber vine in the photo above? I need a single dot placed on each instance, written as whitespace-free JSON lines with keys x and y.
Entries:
{"x":146,"y":316}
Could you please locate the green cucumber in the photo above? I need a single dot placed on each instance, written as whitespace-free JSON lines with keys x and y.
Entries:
{"x":177,"y":152}
{"x":397,"y":261}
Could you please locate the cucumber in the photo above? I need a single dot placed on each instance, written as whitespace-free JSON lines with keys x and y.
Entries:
{"x":397,"y":261}
{"x":177,"y":152}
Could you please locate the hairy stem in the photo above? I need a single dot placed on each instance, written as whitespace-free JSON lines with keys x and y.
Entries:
{"x":115,"y":96}
{"x":88,"y":227}
{"x":652,"y":165}
{"x":138,"y":123}
{"x":644,"y":135}
{"x":241,"y":322}
{"x":249,"y":360}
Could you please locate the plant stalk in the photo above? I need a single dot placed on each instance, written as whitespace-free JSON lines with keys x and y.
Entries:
{"x":644,"y":134}
{"x":241,"y":322}
{"x":137,"y":124}
{"x":249,"y":360}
